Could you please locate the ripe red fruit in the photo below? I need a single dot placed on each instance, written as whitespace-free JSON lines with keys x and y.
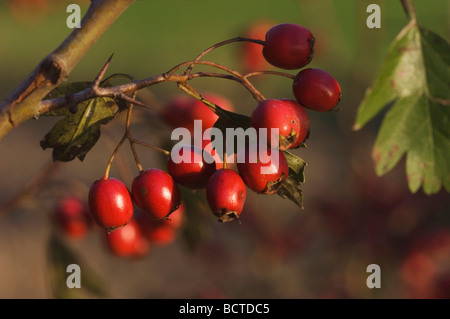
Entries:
{"x":225,"y":194}
{"x":183,"y":110}
{"x":207,"y":146}
{"x":196,"y":171}
{"x":288,"y":46}
{"x":252,"y":57}
{"x":419,"y":271}
{"x":110,"y":203}
{"x":263,"y":178}
{"x":316,"y":89}
{"x":156,"y":193}
{"x":305,"y":123}
{"x":284,"y":115}
{"x":127,"y":241}
{"x":72,"y":217}
{"x":161,"y":231}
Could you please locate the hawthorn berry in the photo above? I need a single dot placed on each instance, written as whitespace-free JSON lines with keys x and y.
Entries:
{"x":110,"y":203}
{"x":194,"y":168}
{"x":208,"y":147}
{"x":305,"y":124}
{"x":263,"y":173}
{"x":161,"y":231}
{"x":252,"y":58}
{"x":127,"y":241}
{"x":72,"y":217}
{"x":284,"y":115}
{"x":156,"y":193}
{"x":225,"y":194}
{"x":183,"y":110}
{"x":288,"y":46}
{"x":316,"y":89}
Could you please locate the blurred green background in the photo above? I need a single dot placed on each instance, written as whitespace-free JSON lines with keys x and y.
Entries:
{"x":351,"y":219}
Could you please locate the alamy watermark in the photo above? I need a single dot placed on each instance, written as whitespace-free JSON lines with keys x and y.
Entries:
{"x":238,"y":141}
{"x":374,"y":18}
{"x":74,"y":18}
{"x":74,"y":279}
{"x":374,"y":279}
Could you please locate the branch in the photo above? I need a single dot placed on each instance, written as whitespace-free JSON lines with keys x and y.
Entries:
{"x":120,"y":91}
{"x":32,"y":187}
{"x":408,"y":7}
{"x":25,"y":101}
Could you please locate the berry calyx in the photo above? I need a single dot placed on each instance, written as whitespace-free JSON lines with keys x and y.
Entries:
{"x":316,"y":89}
{"x":156,"y":193}
{"x":72,"y":217}
{"x":226,"y":194}
{"x":284,"y":115}
{"x":263,"y":172}
{"x":288,"y":46}
{"x":110,"y":203}
{"x":127,"y":241}
{"x":191,"y":167}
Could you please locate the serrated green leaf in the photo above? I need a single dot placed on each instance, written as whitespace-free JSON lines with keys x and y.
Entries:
{"x":75,"y":134}
{"x":415,"y":81}
{"x":291,"y":186}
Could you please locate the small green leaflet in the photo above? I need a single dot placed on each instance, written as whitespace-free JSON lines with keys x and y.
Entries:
{"x":75,"y":134}
{"x":415,"y":80}
{"x":291,"y":186}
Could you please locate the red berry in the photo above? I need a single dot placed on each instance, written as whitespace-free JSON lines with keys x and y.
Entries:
{"x":418,"y":271}
{"x":208,"y":147}
{"x":161,"y":231}
{"x":316,"y":89}
{"x":195,"y":171}
{"x":288,"y":46}
{"x":110,"y":203}
{"x":72,"y":217}
{"x":284,"y":115}
{"x":183,"y":110}
{"x":127,"y":241}
{"x":263,"y":178}
{"x":305,"y":123}
{"x":225,"y":194}
{"x":156,"y":193}
{"x":252,"y":57}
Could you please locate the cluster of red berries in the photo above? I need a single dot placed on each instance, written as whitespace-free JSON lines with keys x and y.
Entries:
{"x":141,"y":232}
{"x":290,"y":46}
{"x":156,"y":192}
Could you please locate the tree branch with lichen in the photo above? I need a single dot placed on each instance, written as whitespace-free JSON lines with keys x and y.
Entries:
{"x":25,"y":101}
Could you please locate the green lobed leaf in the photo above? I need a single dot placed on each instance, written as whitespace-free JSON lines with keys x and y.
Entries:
{"x":75,"y":134}
{"x":415,"y":81}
